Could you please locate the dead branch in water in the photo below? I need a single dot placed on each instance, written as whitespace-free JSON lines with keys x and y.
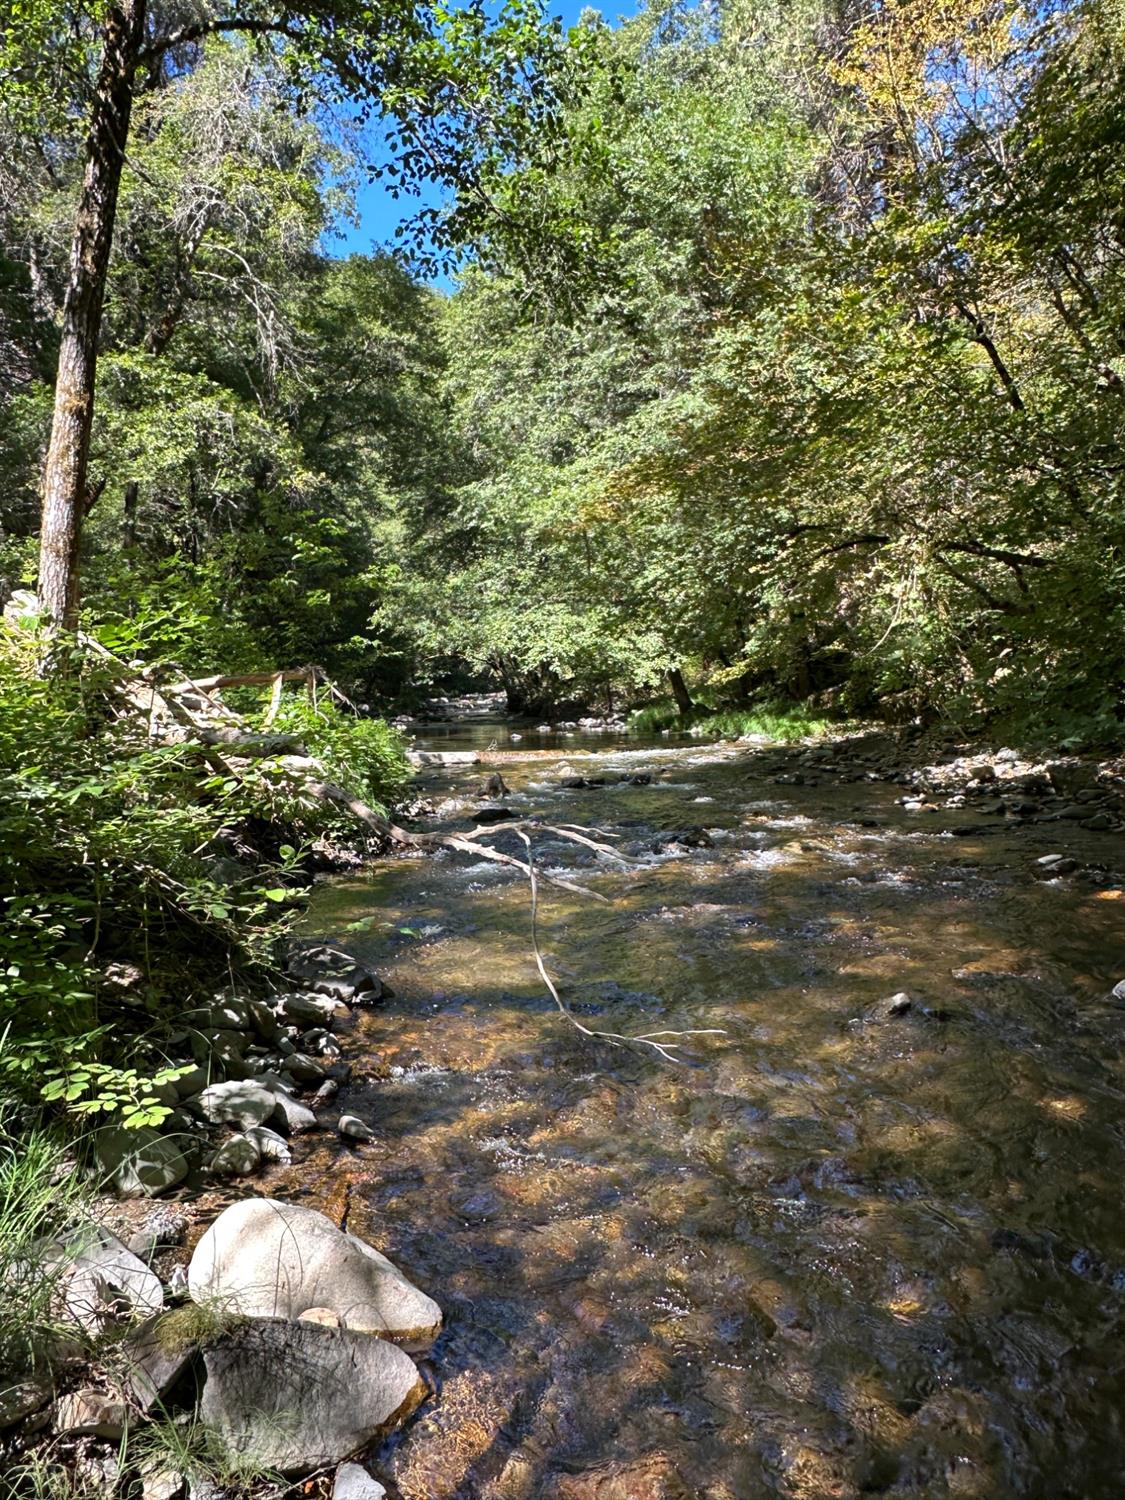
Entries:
{"x":615,"y":1038}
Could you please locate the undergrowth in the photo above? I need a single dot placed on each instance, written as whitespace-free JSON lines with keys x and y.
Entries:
{"x":783,"y":722}
{"x":134,"y":876}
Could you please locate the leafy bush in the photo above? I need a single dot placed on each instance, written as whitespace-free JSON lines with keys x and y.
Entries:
{"x":785,"y":722}
{"x":365,"y":755}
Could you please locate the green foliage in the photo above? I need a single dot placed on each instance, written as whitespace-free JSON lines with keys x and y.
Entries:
{"x":785,"y":722}
{"x":39,"y":1194}
{"x":365,"y":755}
{"x":839,"y":420}
{"x":113,"y":851}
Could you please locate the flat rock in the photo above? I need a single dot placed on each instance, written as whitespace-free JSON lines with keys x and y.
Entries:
{"x":91,"y":1411}
{"x":20,"y":1399}
{"x":308,"y":1010}
{"x":138,"y":1163}
{"x":152,"y":1364}
{"x":299,"y":1396}
{"x":102,"y":1282}
{"x":242,"y":1102}
{"x":353,"y":1482}
{"x":267,"y":1259}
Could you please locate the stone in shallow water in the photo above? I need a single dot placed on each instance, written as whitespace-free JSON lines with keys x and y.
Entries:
{"x":651,"y":1478}
{"x":299,"y":1396}
{"x":353,"y":1482}
{"x":267,"y":1259}
{"x":237,"y":1157}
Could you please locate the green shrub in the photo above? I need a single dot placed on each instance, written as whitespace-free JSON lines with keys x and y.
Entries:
{"x":784,"y":722}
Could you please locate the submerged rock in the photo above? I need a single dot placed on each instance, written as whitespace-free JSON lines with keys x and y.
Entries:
{"x":299,"y":1396}
{"x":267,"y":1259}
{"x":353,"y":1128}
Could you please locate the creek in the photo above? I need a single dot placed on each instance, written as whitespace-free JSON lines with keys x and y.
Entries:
{"x":837,"y":1251}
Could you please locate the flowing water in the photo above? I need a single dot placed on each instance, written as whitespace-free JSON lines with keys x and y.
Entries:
{"x":834,"y":1253}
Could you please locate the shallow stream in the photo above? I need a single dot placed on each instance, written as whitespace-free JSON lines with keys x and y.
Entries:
{"x":834,"y":1253}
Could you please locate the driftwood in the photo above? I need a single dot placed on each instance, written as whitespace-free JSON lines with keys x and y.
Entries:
{"x":462,"y":843}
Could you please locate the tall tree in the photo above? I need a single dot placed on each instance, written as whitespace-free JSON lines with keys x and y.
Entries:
{"x":466,"y":96}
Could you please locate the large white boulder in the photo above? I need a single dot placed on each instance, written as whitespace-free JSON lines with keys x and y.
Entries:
{"x":299,"y":1396}
{"x":242,"y":1103}
{"x":265,"y":1259}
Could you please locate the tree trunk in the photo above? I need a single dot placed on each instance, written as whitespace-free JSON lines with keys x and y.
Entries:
{"x":65,"y":497}
{"x":680,"y":691}
{"x":129,"y":514}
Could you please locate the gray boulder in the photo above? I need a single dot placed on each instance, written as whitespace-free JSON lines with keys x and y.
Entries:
{"x":265,"y":1259}
{"x":308,"y":1010}
{"x":21,"y":1399}
{"x":242,"y":1102}
{"x":91,"y":1411}
{"x":152,"y":1363}
{"x":101,"y":1282}
{"x":303,"y":1068}
{"x":299,"y":1396}
{"x":271,"y":1146}
{"x":237,"y":1157}
{"x":294,"y":1115}
{"x":138,"y":1163}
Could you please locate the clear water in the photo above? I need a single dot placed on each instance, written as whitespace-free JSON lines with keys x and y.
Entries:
{"x":833,"y":1253}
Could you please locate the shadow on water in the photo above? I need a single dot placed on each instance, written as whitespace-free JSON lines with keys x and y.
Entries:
{"x":836,"y":1253}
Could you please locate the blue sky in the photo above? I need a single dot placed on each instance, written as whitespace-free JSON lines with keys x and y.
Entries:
{"x":379,"y":213}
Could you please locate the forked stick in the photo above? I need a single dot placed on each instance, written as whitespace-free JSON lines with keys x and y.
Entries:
{"x":615,"y":1038}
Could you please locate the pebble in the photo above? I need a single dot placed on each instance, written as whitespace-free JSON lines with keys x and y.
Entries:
{"x":899,"y":1004}
{"x":351,"y":1127}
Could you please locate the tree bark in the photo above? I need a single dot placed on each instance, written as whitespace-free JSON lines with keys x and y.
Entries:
{"x":680,"y":690}
{"x":65,"y":499}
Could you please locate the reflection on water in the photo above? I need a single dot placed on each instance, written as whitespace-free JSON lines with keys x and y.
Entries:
{"x":837,"y":1254}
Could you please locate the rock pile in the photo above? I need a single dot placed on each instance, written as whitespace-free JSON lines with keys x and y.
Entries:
{"x":296,"y":1359}
{"x":236,"y":1102}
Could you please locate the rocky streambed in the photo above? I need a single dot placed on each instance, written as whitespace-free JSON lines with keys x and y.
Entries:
{"x":866,"y":1239}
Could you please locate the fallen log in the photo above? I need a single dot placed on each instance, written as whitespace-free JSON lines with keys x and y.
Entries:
{"x":253,"y":746}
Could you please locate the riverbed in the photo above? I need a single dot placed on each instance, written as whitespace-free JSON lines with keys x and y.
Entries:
{"x":834,"y":1251}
